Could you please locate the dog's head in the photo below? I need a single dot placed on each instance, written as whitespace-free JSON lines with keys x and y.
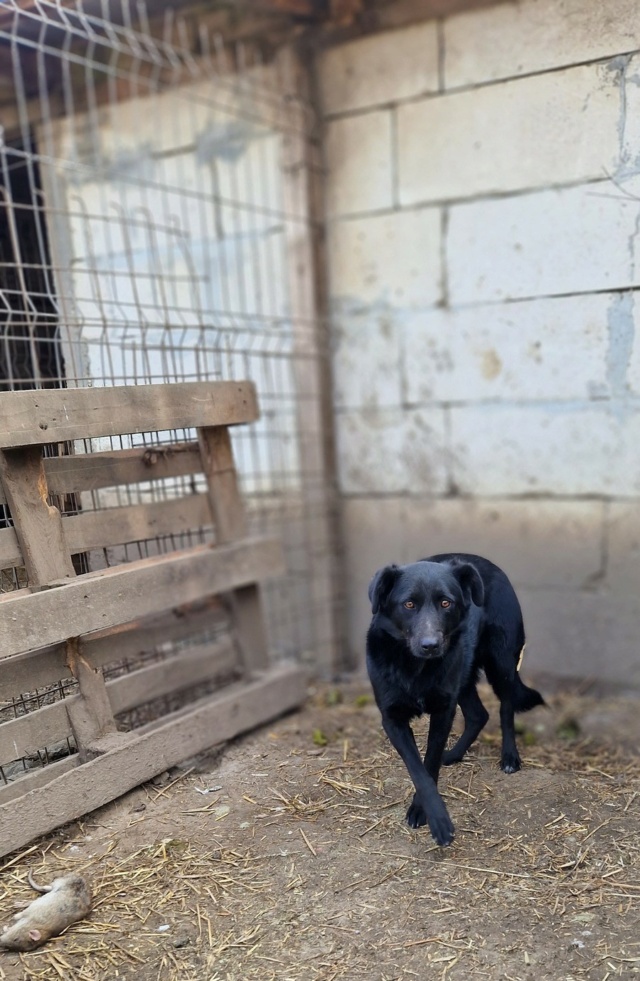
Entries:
{"x":426,"y":602}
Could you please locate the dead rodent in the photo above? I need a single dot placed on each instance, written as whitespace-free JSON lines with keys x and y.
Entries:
{"x":65,"y":901}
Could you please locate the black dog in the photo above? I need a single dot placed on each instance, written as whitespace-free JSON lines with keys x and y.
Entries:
{"x":435,"y":624}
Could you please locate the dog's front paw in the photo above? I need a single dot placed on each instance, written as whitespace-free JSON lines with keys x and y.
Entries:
{"x":451,"y":756}
{"x":441,"y":827}
{"x":510,"y":762}
{"x":440,"y":824}
{"x":416,"y":817}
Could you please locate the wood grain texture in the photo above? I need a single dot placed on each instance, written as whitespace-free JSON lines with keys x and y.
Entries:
{"x":38,"y":525}
{"x":135,"y":523}
{"x":91,"y":785}
{"x":36,"y":669}
{"x":52,"y":723}
{"x":56,"y":415}
{"x":114,"y":468}
{"x":227,"y":506}
{"x":122,"y":594}
{"x":89,"y":712}
{"x":37,"y":777}
{"x":230,"y":522}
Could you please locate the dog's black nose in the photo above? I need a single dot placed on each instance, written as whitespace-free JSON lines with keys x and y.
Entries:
{"x":429,"y":645}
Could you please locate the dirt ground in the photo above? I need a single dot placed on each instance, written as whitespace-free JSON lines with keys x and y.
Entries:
{"x":284,"y":857}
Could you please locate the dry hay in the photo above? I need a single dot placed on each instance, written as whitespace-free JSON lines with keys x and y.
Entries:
{"x":297,"y":864}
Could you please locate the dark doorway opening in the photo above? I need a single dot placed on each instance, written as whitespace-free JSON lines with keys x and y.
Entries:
{"x":30,"y":350}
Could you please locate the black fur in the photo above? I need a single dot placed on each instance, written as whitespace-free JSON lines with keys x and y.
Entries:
{"x":463,"y":616}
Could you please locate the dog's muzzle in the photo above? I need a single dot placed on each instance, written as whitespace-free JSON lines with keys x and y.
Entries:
{"x":428,"y":647}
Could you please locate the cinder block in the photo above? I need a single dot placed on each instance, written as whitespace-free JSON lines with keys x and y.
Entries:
{"x":359,"y":164}
{"x":556,"y":449}
{"x":567,"y":634}
{"x":526,"y":133}
{"x":366,"y":360}
{"x":582,"y":634}
{"x":535,"y":35}
{"x":573,"y":240}
{"x":623,"y":548}
{"x":374,"y":536}
{"x":391,"y":451}
{"x":514,"y":351}
{"x":393,"y":259}
{"x":379,"y":69}
{"x":538,"y":543}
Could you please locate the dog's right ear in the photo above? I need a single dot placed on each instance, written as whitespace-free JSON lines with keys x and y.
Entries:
{"x":381,"y":585}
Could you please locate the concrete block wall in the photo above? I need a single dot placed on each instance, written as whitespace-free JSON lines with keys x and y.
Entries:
{"x":483,"y":217}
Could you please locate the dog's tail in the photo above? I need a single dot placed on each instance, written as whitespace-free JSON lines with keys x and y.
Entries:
{"x":525,"y":698}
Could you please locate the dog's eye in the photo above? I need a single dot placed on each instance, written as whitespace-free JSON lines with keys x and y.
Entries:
{"x":409,"y":605}
{"x":445,"y":604}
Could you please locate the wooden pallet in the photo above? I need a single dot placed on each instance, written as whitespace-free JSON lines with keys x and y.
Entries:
{"x":65,"y":625}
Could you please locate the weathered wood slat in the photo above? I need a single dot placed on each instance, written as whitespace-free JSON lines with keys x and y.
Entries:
{"x":227,"y":506}
{"x":29,"y":733}
{"x":10,"y":551}
{"x":134,"y":523}
{"x":124,"y":593}
{"x":114,"y":468}
{"x":50,"y":724}
{"x":37,"y":778}
{"x":193,"y":666}
{"x":89,"y":786}
{"x":38,"y":526}
{"x":57,"y":415}
{"x":37,"y":669}
{"x":89,"y":712}
{"x":118,"y":526}
{"x":230,"y":520}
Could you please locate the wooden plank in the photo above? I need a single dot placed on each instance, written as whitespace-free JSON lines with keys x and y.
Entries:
{"x":38,"y":525}
{"x":222,"y":483}
{"x":89,"y":712}
{"x":37,"y":777}
{"x":314,"y":410}
{"x":10,"y":552}
{"x":216,"y":719}
{"x":135,"y":523}
{"x":118,"y":526}
{"x":56,"y":415}
{"x":37,"y":669}
{"x":51,"y":724}
{"x":112,"y":596}
{"x":112,"y":468}
{"x":27,"y":734}
{"x":191,"y":667}
{"x":231,"y":522}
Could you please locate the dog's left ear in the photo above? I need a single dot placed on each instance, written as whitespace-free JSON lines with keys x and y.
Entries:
{"x":381,"y":585}
{"x":470,"y":581}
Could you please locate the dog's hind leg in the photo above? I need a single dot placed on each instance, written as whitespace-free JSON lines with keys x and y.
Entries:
{"x":510,"y":760}
{"x":503,"y":685}
{"x":475,"y":719}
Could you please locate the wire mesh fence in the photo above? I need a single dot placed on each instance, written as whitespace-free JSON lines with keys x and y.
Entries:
{"x":147,"y":234}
